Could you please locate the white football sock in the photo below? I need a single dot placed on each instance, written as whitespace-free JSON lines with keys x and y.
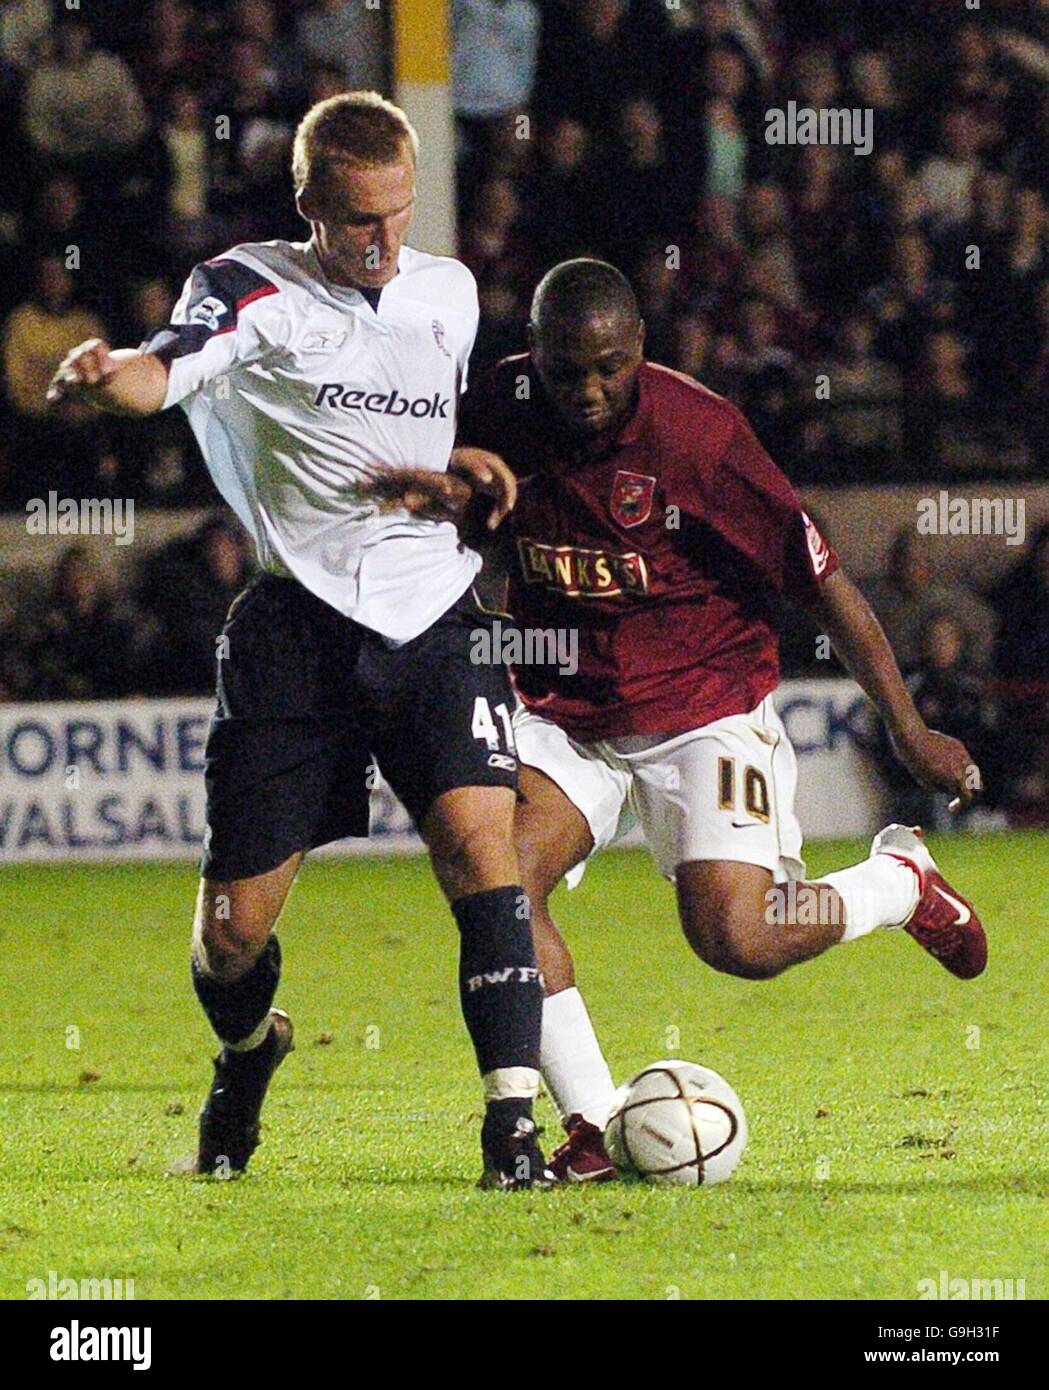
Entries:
{"x":572,"y":1063}
{"x":880,"y":892}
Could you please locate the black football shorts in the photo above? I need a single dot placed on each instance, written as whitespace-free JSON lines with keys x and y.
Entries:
{"x":310,"y":702}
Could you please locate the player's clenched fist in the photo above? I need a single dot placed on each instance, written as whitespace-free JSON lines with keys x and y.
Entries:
{"x":122,"y":381}
{"x":83,"y":371}
{"x":941,"y":763}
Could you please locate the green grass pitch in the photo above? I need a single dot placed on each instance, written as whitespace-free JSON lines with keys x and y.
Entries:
{"x":897,"y":1115}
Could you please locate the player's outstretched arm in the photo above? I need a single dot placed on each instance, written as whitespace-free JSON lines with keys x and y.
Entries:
{"x":446,"y":496}
{"x":935,"y":760}
{"x":122,"y":381}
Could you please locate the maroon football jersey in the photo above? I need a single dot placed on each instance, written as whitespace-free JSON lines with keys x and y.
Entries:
{"x":662,"y":544}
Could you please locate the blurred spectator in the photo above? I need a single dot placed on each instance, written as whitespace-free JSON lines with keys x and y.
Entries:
{"x":504,"y":314}
{"x":714,"y":252}
{"x":638,"y":203}
{"x":1022,"y":601}
{"x":16,"y":670}
{"x":39,"y":333}
{"x":83,"y":105}
{"x":863,"y":414}
{"x":954,"y":701}
{"x":58,"y":224}
{"x":593,"y":55}
{"x":175,"y":54}
{"x":947,"y":422}
{"x":766,"y":375}
{"x":349,"y":34}
{"x":1022,"y":665}
{"x":250,"y":166}
{"x":693,"y":346}
{"x":323,"y":80}
{"x":874,"y":88}
{"x":909,"y":303}
{"x":495,"y":243}
{"x":658,"y":286}
{"x":495,"y":46}
{"x":907,"y":597}
{"x":186,"y":591}
{"x":82,"y":647}
{"x":724,"y":136}
{"x":25,"y":28}
{"x":149,"y":307}
{"x":946,"y":180}
{"x":1016,"y":319}
{"x":284,"y":62}
{"x":824,"y":240}
{"x":562,"y":194}
{"x":187,"y":146}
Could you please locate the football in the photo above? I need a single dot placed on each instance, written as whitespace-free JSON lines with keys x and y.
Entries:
{"x":677,"y":1122}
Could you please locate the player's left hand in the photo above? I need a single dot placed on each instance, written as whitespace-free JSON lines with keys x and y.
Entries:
{"x":941,"y":763}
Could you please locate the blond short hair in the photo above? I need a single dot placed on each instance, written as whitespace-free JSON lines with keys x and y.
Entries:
{"x":351,"y":128}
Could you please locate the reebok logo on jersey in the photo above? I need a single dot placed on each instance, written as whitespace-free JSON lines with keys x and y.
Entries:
{"x":342,"y":397}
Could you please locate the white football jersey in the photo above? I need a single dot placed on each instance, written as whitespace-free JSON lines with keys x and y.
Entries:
{"x":297,"y":388}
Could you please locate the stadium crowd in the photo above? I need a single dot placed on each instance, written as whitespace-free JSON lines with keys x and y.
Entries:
{"x":913,"y":281}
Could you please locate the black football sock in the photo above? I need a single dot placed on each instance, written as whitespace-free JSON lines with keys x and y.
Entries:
{"x":237,"y":1008}
{"x":501,"y":991}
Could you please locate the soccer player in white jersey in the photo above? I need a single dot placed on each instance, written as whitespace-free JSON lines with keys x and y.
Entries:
{"x":309,"y":370}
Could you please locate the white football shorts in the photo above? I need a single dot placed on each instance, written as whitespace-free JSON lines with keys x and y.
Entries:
{"x":723,"y":791}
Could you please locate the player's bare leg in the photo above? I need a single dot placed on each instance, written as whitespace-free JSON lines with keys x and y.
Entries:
{"x":236,"y":969}
{"x":469,"y":833}
{"x":734,"y":921}
{"x":739,"y":921}
{"x":552,"y":836}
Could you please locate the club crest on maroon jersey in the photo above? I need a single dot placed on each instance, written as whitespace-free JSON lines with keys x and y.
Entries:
{"x":632,"y":495}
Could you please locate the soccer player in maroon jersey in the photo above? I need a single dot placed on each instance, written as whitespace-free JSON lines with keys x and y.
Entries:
{"x":650,"y":522}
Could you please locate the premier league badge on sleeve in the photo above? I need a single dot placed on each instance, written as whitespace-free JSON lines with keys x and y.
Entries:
{"x":632,"y":495}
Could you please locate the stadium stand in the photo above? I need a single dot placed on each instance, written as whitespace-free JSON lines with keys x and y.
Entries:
{"x":761,"y":269}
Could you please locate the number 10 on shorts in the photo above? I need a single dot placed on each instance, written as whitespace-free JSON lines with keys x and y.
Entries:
{"x":483,"y":725}
{"x":755,"y":789}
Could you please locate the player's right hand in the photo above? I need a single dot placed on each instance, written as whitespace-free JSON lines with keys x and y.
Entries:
{"x":487,"y":474}
{"x":83,"y":372}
